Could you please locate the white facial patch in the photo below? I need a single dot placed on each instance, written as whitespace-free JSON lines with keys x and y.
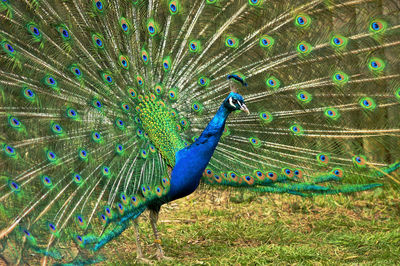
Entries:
{"x":231,"y":102}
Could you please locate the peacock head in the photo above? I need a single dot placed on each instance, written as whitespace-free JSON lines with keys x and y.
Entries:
{"x":234,"y":102}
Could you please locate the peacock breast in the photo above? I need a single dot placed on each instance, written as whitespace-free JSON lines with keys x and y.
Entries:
{"x":160,"y":127}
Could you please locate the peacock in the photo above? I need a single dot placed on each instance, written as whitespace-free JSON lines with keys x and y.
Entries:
{"x":110,"y":108}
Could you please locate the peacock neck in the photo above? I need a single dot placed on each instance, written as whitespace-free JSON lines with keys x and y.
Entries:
{"x":191,"y":161}
{"x":213,"y":132}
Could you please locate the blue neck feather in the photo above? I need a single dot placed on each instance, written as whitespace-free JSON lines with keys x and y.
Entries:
{"x":191,"y":161}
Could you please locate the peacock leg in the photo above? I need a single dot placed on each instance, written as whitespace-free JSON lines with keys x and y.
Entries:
{"x":157,"y":240}
{"x":139,"y":253}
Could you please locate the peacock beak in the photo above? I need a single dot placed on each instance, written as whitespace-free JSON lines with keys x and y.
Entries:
{"x":243,"y":107}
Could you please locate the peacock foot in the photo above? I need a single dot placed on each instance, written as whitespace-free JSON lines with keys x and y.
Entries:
{"x":160,"y":256}
{"x":144,"y":260}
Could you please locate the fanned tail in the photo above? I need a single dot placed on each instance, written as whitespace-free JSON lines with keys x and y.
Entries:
{"x":79,"y":78}
{"x":323,"y":95}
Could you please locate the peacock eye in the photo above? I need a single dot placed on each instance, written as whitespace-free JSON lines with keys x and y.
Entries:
{"x":234,"y":101}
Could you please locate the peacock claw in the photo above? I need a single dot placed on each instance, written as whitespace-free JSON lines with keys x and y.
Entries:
{"x":160,"y":256}
{"x":144,"y":260}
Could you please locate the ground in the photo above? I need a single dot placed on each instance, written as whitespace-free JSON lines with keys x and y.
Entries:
{"x":220,"y":227}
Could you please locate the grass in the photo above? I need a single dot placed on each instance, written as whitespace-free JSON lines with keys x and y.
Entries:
{"x":215,"y":227}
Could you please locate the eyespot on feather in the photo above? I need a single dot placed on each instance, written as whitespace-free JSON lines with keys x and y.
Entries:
{"x":152,"y":28}
{"x":120,"y":124}
{"x":28,"y":94}
{"x":273,"y":83}
{"x":304,"y":48}
{"x":359,"y":161}
{"x":232,"y":42}
{"x":367,"y":103}
{"x":323,"y":158}
{"x":98,"y":41}
{"x":174,"y":7}
{"x":125,"y":26}
{"x":139,"y":81}
{"x":297,"y":130}
{"x":378,"y":26}
{"x":340,"y":78}
{"x":298,"y":173}
{"x":255,"y":3}
{"x":302,"y":21}
{"x":339,"y":42}
{"x":166,"y":63}
{"x":376,"y":65}
{"x":266,"y":41}
{"x":145,"y":56}
{"x":303,"y":96}
{"x":288,"y":172}
{"x":248,"y":179}
{"x":259,"y":175}
{"x":332,"y":113}
{"x":194,"y":46}
{"x":124,"y":62}
{"x":337,"y":172}
{"x":271,"y":175}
